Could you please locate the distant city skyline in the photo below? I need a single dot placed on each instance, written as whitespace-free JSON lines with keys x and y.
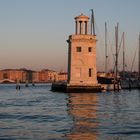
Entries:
{"x":33,"y":33}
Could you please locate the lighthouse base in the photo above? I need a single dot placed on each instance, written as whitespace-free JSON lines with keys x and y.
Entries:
{"x":64,"y":87}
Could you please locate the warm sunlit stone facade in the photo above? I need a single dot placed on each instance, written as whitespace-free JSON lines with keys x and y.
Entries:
{"x":12,"y":75}
{"x":62,"y":76}
{"x":24,"y":75}
{"x":82,"y":55}
{"x":45,"y":76}
{"x":35,"y":76}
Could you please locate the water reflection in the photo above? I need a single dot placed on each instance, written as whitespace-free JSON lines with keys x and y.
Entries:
{"x":119,"y":116}
{"x":83,"y":109}
{"x":37,"y":113}
{"x":104,"y":116}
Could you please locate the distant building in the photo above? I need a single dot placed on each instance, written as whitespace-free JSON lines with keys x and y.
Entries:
{"x":29,"y":74}
{"x":12,"y":75}
{"x":36,"y":77}
{"x":51,"y":75}
{"x":45,"y":76}
{"x":1,"y":75}
{"x":24,"y":75}
{"x":62,"y":76}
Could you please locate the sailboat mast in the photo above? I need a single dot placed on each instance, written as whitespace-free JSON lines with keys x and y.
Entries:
{"x":116,"y":36}
{"x":139,"y":56}
{"x":106,"y":55}
{"x":123,"y":54}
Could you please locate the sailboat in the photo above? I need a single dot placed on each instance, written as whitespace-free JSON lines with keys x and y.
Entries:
{"x":109,"y":81}
{"x":129,"y":81}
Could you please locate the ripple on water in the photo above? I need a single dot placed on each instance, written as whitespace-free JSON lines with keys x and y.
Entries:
{"x":38,"y":113}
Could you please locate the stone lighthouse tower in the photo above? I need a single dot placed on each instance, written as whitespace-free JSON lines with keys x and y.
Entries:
{"x":82,"y":55}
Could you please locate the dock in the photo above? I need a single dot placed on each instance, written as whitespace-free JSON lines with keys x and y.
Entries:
{"x":64,"y":87}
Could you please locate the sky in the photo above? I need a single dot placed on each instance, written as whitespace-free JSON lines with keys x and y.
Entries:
{"x":33,"y":33}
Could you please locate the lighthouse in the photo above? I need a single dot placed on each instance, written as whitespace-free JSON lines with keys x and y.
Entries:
{"x":82,"y":73}
{"x":82,"y":54}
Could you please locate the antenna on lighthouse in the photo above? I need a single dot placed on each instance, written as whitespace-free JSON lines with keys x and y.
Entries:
{"x":92,"y":23}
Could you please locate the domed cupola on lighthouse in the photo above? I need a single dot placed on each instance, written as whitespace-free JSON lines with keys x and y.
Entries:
{"x":81,"y":23}
{"x":82,"y":55}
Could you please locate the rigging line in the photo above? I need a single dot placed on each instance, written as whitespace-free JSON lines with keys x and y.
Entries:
{"x":111,"y":45}
{"x":120,"y":44}
{"x":101,"y":40}
{"x":119,"y":48}
{"x":113,"y":56}
{"x":98,"y":32}
{"x":112,"y":52}
{"x":133,"y":59}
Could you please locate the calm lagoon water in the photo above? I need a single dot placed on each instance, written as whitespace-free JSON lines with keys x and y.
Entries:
{"x":36,"y":113}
